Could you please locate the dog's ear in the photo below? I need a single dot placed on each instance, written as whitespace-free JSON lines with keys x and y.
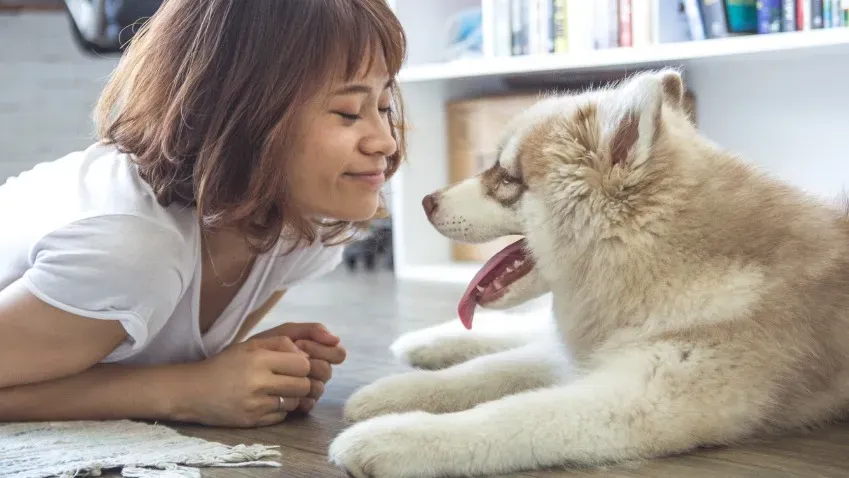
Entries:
{"x":635,"y":114}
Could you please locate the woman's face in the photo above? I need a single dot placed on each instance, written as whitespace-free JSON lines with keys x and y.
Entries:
{"x":346,"y":140}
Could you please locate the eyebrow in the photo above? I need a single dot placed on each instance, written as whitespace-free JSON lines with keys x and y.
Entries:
{"x":359,"y":88}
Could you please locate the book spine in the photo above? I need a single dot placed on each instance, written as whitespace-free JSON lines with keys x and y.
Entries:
{"x":516,"y":27}
{"x":545,"y":39}
{"x":769,"y":16}
{"x":501,"y":28}
{"x":625,"y":38}
{"x":669,"y":20}
{"x":816,"y":14}
{"x":788,"y":15}
{"x":533,"y":15}
{"x":694,"y":18}
{"x":613,"y":23}
{"x":561,"y":31}
{"x":716,"y":23}
{"x":827,"y":14}
{"x":742,"y":16}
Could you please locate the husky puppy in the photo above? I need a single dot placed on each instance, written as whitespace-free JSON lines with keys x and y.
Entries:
{"x":695,"y":301}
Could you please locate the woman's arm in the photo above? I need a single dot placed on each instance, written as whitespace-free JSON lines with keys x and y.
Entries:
{"x":49,"y":370}
{"x":103,"y":392}
{"x":39,"y":342}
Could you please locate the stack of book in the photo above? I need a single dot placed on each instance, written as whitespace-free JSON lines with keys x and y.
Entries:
{"x":531,"y":27}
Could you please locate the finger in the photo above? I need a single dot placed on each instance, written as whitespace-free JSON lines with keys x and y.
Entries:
{"x":272,"y":418}
{"x":306,"y":405}
{"x":285,"y":363}
{"x":316,"y":389}
{"x":298,"y":331}
{"x":279,"y":343}
{"x":321,"y":370}
{"x":272,"y":404}
{"x":315,"y":350}
{"x":283,"y":386}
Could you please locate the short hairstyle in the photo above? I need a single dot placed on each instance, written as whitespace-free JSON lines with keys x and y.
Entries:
{"x":208,"y":96}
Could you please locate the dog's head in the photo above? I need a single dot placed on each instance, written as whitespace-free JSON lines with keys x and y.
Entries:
{"x":572,"y":171}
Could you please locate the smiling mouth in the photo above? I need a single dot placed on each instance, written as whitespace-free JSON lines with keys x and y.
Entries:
{"x":373,"y":178}
{"x":495,"y":278}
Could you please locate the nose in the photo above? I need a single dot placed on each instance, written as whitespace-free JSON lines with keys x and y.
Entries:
{"x":380,"y":142}
{"x":429,"y":203}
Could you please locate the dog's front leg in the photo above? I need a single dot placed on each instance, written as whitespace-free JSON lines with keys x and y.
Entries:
{"x":449,"y":343}
{"x":462,"y":386}
{"x":642,"y":406}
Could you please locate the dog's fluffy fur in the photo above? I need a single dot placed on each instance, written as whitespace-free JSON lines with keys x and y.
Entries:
{"x":696,"y":302}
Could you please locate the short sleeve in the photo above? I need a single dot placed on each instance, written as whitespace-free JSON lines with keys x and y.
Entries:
{"x":116,"y":267}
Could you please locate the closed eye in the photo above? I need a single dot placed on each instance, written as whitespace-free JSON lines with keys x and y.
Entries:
{"x":348,"y":116}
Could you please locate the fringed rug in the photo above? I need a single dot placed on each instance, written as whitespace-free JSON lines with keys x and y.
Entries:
{"x":141,"y":450}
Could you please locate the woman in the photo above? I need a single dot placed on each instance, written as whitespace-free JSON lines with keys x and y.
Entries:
{"x":241,"y":144}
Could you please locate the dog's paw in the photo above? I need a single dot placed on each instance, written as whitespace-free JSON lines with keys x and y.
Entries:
{"x":392,"y":446}
{"x":407,"y":392}
{"x":444,"y":346}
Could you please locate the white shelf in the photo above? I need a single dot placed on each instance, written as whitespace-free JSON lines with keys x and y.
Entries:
{"x":624,"y":57}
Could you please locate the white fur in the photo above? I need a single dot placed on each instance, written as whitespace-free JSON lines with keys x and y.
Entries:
{"x":569,"y":391}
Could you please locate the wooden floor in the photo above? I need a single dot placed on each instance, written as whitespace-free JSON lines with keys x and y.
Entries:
{"x":368,"y":310}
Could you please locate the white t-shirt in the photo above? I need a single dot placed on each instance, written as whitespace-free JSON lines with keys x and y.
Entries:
{"x":85,"y":233}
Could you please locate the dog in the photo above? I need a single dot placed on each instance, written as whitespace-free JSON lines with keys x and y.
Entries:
{"x":695,"y":302}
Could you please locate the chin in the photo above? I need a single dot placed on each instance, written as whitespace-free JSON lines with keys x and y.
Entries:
{"x":364,"y":213}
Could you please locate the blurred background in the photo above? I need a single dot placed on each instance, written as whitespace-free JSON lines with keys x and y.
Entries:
{"x":765,"y":78}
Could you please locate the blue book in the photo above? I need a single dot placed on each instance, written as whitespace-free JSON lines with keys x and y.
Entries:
{"x":769,"y":16}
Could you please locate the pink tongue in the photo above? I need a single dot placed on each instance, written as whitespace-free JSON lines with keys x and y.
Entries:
{"x":469,"y":301}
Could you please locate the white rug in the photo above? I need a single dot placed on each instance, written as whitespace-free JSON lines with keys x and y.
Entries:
{"x":85,"y":448}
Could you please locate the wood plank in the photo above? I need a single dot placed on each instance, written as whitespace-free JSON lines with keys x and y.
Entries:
{"x":370,"y":310}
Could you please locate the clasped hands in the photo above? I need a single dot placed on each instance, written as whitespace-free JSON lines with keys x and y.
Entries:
{"x":242,"y":386}
{"x":322,"y":350}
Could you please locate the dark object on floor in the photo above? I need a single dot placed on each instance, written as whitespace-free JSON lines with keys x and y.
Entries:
{"x":105,"y":26}
{"x":377,"y":243}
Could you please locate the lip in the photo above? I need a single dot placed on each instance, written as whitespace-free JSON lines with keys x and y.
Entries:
{"x":374,"y":179}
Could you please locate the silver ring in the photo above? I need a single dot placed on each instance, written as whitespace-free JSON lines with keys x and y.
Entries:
{"x":281,"y":402}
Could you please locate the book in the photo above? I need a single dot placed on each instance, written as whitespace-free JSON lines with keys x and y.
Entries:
{"x":788,"y":15}
{"x":742,"y":16}
{"x":713,"y":15}
{"x":769,"y":16}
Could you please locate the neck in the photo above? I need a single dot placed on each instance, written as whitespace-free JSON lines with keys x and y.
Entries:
{"x":228,"y":255}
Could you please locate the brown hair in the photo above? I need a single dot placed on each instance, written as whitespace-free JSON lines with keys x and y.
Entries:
{"x":208,"y":95}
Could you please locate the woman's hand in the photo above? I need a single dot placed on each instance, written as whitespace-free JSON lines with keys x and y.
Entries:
{"x":241,"y":386}
{"x":323,"y":350}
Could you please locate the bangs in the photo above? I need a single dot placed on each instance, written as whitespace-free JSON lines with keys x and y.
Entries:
{"x":359,"y":31}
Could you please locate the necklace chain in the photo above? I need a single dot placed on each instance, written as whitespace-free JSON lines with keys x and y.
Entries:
{"x":215,"y":270}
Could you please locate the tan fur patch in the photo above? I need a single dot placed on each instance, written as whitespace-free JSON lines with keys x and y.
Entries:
{"x":560,"y":141}
{"x":502,"y":186}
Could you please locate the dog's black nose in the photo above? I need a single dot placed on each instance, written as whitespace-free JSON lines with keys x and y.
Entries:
{"x":429,"y":204}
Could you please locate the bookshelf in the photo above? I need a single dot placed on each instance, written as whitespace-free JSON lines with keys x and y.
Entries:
{"x":774,"y":97}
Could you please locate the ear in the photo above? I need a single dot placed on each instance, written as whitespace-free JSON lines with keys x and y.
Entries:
{"x":637,"y":115}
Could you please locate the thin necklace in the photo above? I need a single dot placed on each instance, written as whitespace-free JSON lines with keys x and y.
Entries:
{"x":215,"y":270}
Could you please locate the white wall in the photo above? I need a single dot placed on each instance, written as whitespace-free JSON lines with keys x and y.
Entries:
{"x":47,"y":90}
{"x":790,"y":118}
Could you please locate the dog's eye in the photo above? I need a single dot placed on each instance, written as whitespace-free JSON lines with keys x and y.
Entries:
{"x":508,"y":180}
